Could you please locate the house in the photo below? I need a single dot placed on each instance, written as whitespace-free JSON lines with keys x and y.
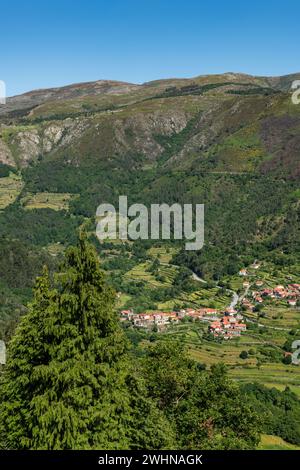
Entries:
{"x":215,"y":327}
{"x":243,"y":272}
{"x":230,"y":311}
{"x":210,"y":318}
{"x":250,"y":306}
{"x":279,"y":291}
{"x":228,"y":327}
{"x":201,"y":312}
{"x":240,"y":326}
{"x":127,"y":314}
{"x":209,"y":311}
{"x":190,"y":311}
{"x":292,"y":303}
{"x":182,"y":313}
{"x":143,"y":320}
{"x":267,"y":292}
{"x":259,"y":283}
{"x":295,"y":286}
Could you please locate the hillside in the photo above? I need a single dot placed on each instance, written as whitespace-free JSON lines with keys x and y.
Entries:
{"x":230,"y":141}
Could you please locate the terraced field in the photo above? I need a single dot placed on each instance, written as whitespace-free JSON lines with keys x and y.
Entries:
{"x":210,"y":298}
{"x":55,"y":249}
{"x":280,"y":317}
{"x":273,"y":275}
{"x":55,"y":201}
{"x":140,"y":272}
{"x":270,"y":374}
{"x":269,"y":442}
{"x":227,"y":352}
{"x":162,"y":253}
{"x":10,"y":188}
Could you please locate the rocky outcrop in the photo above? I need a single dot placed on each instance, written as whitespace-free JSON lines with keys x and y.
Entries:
{"x":6,"y":155}
{"x":25,"y":145}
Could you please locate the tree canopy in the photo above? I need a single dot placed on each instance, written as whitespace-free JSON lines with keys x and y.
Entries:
{"x":71,"y":381}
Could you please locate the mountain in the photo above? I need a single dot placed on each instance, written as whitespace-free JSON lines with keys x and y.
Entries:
{"x":114,"y":119}
{"x":230,"y":141}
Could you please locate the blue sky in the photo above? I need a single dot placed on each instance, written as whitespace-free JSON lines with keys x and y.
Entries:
{"x":51,"y":43}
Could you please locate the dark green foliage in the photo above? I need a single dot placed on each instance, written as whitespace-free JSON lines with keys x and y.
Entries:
{"x":243,"y":355}
{"x":70,"y":382}
{"x":207,"y":409}
{"x":5,"y":170}
{"x":233,"y":207}
{"x":20,"y":263}
{"x":12,"y":303}
{"x":175,"y":142}
{"x":287,"y":359}
{"x":254,"y":91}
{"x":280,"y":411}
{"x":64,"y":385}
{"x":182,"y":281}
{"x":195,"y":89}
{"x":38,"y":227}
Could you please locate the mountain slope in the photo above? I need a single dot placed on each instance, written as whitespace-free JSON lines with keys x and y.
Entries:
{"x":230,"y":141}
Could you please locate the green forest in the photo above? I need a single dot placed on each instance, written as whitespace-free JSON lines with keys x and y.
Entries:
{"x":75,"y":380}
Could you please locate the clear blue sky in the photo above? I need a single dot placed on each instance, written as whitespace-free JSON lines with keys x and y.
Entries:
{"x":51,"y":43}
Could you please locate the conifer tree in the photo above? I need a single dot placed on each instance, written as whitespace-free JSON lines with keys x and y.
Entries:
{"x":64,"y":386}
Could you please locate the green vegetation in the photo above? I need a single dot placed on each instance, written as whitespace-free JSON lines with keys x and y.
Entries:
{"x":174,"y":143}
{"x":71,"y":375}
{"x":281,"y":411}
{"x":55,"y":201}
{"x":231,"y":143}
{"x":275,"y":443}
{"x":10,"y":188}
{"x":39,"y":227}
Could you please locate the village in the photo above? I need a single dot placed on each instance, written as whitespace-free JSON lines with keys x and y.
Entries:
{"x":226,"y":324}
{"x":290,"y":295}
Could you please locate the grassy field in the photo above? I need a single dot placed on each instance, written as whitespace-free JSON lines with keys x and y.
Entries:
{"x":55,"y":201}
{"x":201,"y":298}
{"x":140,"y":273}
{"x":10,"y":188}
{"x":162,"y":253}
{"x":269,"y":442}
{"x":270,"y":374}
{"x":271,"y":275}
{"x":263,"y":363}
{"x":227,"y":352}
{"x":280,"y":317}
{"x":55,"y":249}
{"x":256,"y":368}
{"x":122,"y":299}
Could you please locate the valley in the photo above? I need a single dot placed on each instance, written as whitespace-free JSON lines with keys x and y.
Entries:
{"x":230,"y":142}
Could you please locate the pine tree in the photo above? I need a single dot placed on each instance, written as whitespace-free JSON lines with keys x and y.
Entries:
{"x":65,"y":386}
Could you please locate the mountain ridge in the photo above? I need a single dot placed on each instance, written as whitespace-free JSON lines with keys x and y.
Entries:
{"x":140,"y":117}
{"x":271,"y":78}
